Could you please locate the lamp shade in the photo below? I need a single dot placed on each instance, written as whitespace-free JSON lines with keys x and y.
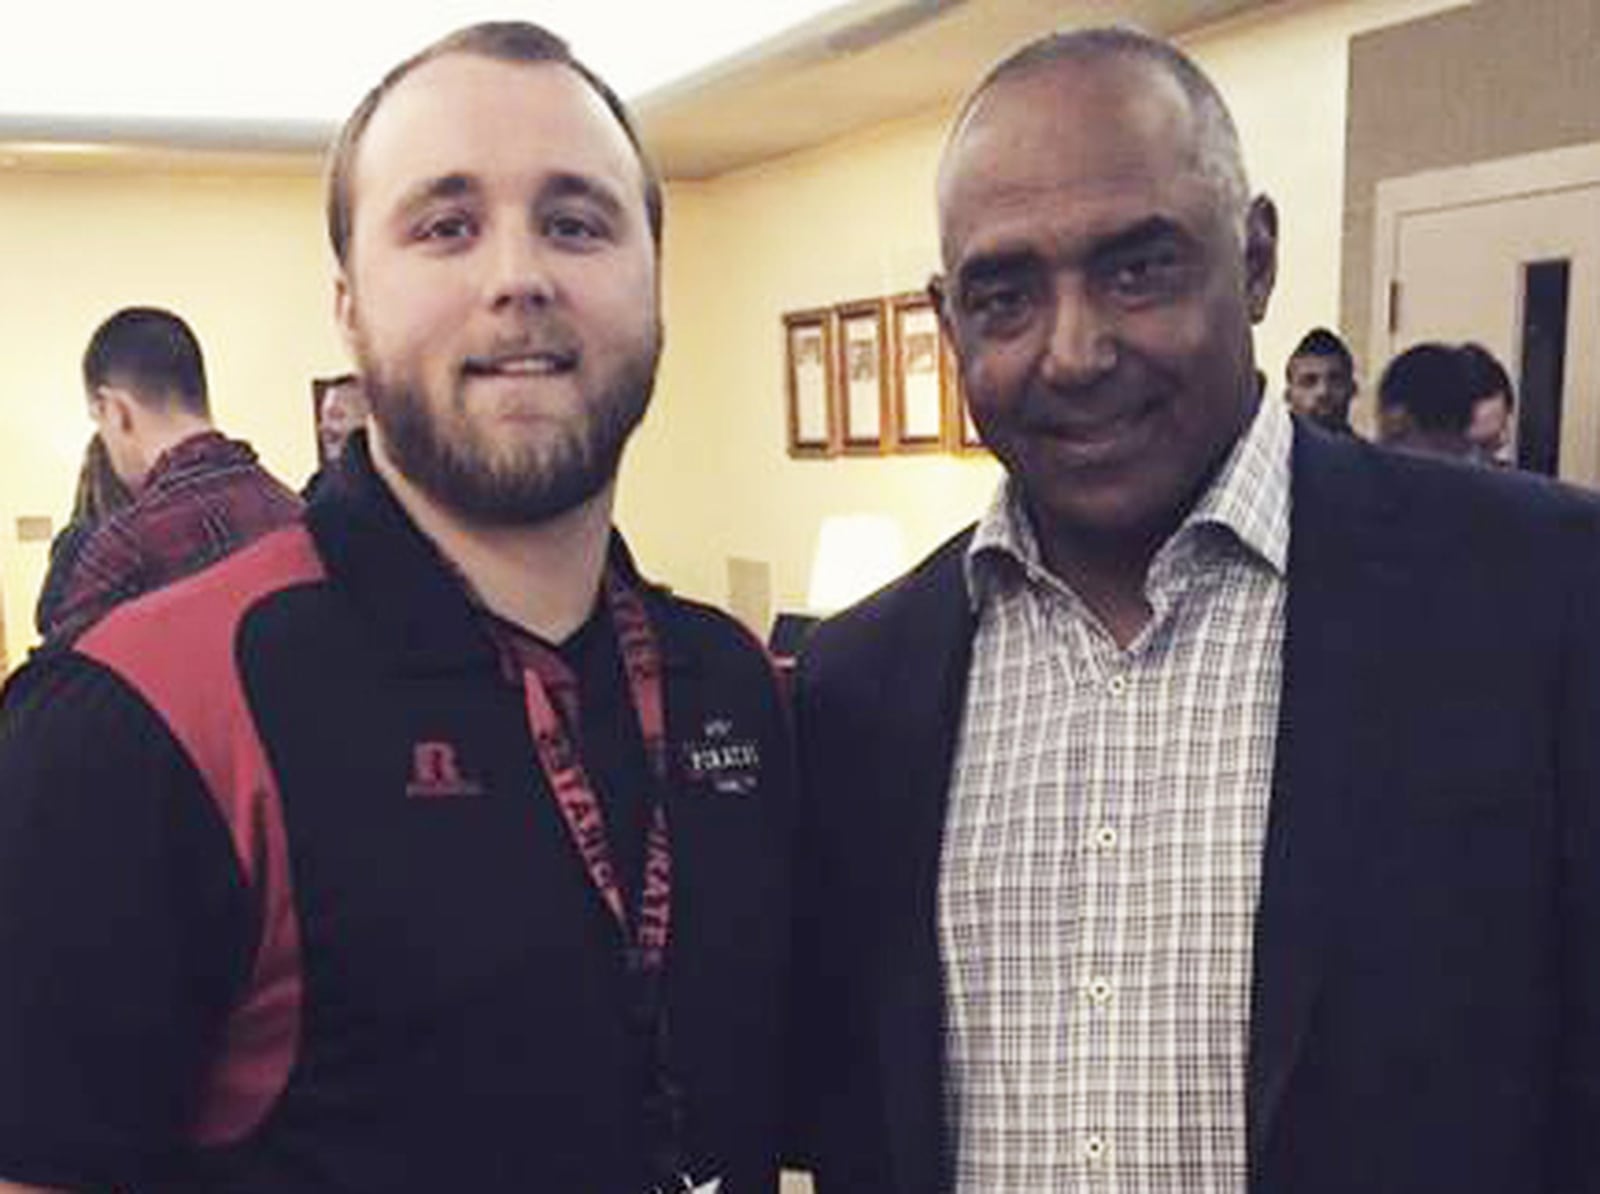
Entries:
{"x":856,"y":554}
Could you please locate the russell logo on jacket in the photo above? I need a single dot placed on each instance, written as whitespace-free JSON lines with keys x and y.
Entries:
{"x":436,"y":773}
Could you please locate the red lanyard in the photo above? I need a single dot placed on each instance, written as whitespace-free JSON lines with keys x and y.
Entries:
{"x":646,"y":934}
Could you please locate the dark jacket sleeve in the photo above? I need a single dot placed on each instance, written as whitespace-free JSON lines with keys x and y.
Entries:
{"x":1578,"y":773}
{"x":125,"y":926}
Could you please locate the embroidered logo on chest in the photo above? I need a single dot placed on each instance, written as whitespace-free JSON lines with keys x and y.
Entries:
{"x":722,"y":759}
{"x":436,"y":773}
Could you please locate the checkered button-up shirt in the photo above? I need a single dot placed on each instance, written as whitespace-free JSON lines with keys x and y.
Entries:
{"x":203,"y":499}
{"x":1101,"y":860}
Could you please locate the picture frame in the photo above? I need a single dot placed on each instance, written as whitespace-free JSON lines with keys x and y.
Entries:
{"x":961,"y":432}
{"x":811,"y":382}
{"x":862,"y":362}
{"x":920,"y":377}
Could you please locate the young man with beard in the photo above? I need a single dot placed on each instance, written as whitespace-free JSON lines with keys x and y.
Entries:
{"x":424,"y":846}
{"x":1159,"y":833}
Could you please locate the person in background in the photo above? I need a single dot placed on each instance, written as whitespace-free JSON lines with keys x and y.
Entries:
{"x":1320,"y":381}
{"x":1494,"y":400}
{"x":1222,"y":813}
{"x":424,"y":845}
{"x":197,"y":495}
{"x":100,"y":493}
{"x":342,"y":412}
{"x":1425,"y":404}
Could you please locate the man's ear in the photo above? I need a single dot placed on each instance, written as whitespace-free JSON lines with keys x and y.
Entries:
{"x":344,"y":311}
{"x":117,"y":407}
{"x":1260,"y":255}
{"x":939,"y":298}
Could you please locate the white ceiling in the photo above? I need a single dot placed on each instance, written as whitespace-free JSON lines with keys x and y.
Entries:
{"x":717,"y":84}
{"x":288,"y":71}
{"x":850,"y":69}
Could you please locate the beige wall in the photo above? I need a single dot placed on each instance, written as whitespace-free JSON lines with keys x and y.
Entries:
{"x":851,"y":221}
{"x":1500,"y":78}
{"x":240,"y":257}
{"x":708,"y":479}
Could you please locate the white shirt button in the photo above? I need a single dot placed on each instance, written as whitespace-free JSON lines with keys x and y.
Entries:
{"x":1104,"y":838}
{"x":1094,"y":1147}
{"x":1099,"y":990}
{"x":1117,"y":685}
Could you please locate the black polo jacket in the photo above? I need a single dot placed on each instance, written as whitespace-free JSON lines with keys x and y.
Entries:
{"x":285,"y":904}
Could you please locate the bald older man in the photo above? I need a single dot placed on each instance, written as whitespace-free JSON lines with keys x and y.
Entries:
{"x":1160,"y":836}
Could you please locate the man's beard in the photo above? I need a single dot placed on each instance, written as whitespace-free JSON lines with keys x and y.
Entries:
{"x":444,"y":453}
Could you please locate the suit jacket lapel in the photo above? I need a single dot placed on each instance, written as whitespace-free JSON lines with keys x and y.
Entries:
{"x":1345,"y":578}
{"x":931,"y":663}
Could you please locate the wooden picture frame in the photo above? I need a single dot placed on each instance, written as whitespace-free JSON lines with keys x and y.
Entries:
{"x":811,"y":383}
{"x":961,"y":433}
{"x":862,"y":357}
{"x":920,"y":376}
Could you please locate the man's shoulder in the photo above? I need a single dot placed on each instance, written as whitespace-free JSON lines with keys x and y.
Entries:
{"x":202,"y":611}
{"x":928,"y":599}
{"x":1449,"y":504}
{"x":925,"y":612}
{"x":706,"y":632}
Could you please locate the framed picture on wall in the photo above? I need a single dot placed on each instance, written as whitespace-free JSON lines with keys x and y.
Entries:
{"x":962,"y":431}
{"x":920,"y":376}
{"x":862,"y":355}
{"x":810,"y":382}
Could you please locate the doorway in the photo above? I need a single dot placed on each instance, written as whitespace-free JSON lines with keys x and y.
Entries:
{"x":1506,"y":253}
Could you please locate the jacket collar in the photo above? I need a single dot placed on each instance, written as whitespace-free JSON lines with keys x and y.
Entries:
{"x":204,"y":451}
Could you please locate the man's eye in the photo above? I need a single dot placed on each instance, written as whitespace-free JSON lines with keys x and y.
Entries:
{"x":996,"y":304}
{"x":453,"y":226}
{"x":1146,"y":274}
{"x":565,"y":226}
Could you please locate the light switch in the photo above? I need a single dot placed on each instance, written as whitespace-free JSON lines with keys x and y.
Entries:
{"x":34,"y":528}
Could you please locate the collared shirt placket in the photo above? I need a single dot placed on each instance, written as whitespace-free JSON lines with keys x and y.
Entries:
{"x":1101,"y":860}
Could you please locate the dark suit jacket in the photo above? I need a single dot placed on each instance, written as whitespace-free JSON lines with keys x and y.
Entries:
{"x":1426,"y":992}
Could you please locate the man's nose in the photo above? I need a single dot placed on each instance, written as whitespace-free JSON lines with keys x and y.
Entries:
{"x":520,"y":265}
{"x":1082,"y":345}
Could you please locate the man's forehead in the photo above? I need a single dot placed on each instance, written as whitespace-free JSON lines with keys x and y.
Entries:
{"x":1316,"y":362}
{"x":461,"y":112}
{"x":1098,"y":113}
{"x":1080,"y":130}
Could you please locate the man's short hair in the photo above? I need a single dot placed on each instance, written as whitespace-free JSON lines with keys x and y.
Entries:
{"x":151,"y":353}
{"x":1320,"y":342}
{"x":1486,"y":376}
{"x":1217,"y":140}
{"x":502,"y":41}
{"x":1429,"y":383}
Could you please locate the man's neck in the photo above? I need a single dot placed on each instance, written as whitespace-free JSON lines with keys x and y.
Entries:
{"x":157,"y":437}
{"x":1425,"y":442}
{"x":543,"y":577}
{"x":160,"y":438}
{"x":1108,"y":575}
